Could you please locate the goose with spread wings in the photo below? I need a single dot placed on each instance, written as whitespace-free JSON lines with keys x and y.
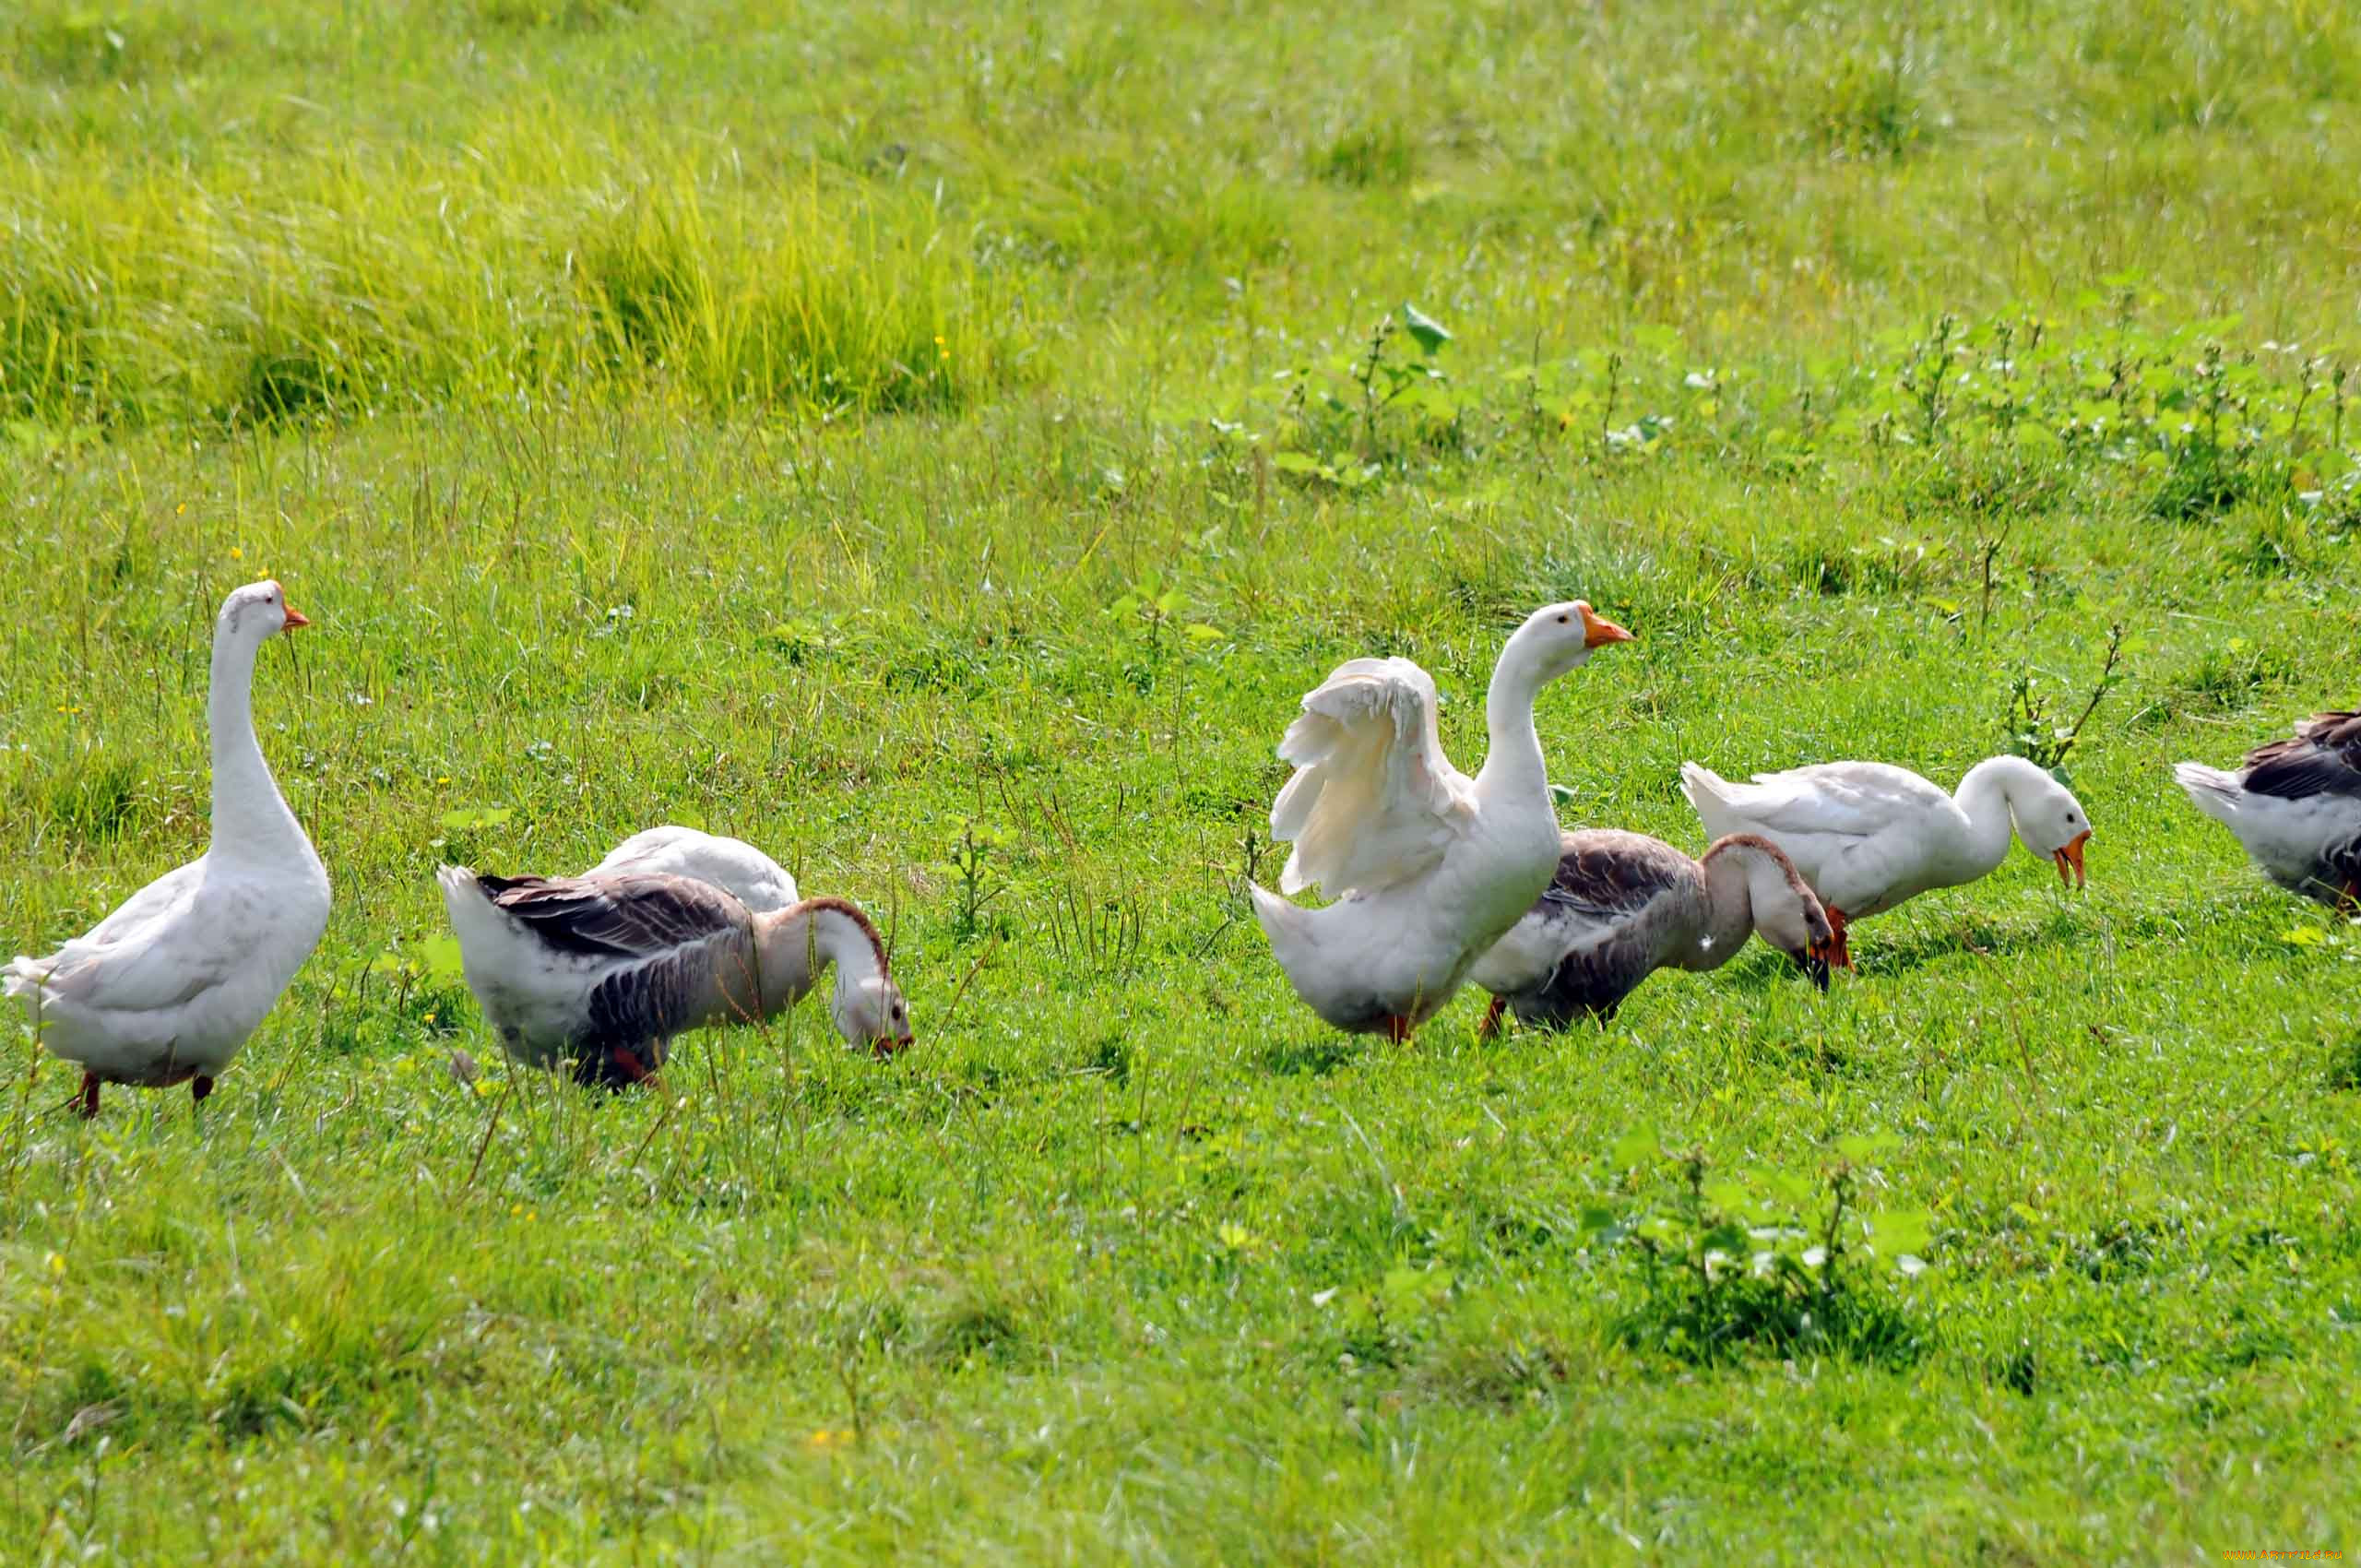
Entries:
{"x":1427,"y":866}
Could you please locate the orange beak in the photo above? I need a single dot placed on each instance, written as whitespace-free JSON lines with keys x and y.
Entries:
{"x":2071,"y":856}
{"x":295,"y":618}
{"x":1596,"y":630}
{"x":886,"y":1047}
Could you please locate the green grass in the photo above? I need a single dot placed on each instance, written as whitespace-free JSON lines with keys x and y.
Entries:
{"x":577,"y":367}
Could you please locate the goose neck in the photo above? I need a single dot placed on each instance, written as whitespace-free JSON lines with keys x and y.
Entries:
{"x":1729,"y":907}
{"x":1983,"y":798}
{"x":1513,"y":760}
{"x":248,"y":810}
{"x":794,"y":945}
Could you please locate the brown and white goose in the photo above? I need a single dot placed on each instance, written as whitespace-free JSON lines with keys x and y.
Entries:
{"x":605,"y":971}
{"x":2296,"y":806}
{"x":1623,"y":906}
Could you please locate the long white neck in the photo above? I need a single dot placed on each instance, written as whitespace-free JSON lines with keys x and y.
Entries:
{"x":1513,"y":763}
{"x":1982,"y":797}
{"x":1729,"y":908}
{"x":796,"y":944}
{"x":249,"y":814}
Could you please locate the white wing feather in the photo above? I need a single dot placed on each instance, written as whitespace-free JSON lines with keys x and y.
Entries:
{"x":1374,"y":802}
{"x":1847,"y":799}
{"x":731,"y":865}
{"x":156,"y":950}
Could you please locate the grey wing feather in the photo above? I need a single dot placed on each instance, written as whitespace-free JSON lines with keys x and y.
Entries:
{"x":617,"y":917}
{"x":649,"y":1002}
{"x":2324,"y":758}
{"x":1608,"y":875}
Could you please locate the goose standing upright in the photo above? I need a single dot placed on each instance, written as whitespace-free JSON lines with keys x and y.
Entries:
{"x":604,"y":970}
{"x":1428,"y":867}
{"x":1868,"y":836}
{"x":1623,"y":906}
{"x":731,"y":865}
{"x":167,"y":988}
{"x":2296,"y":806}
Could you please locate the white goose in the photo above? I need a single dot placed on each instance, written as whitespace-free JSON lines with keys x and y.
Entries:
{"x":1428,"y":866}
{"x":1868,"y":836}
{"x":604,"y":970}
{"x":166,"y":989}
{"x":731,"y":865}
{"x":2297,"y":807}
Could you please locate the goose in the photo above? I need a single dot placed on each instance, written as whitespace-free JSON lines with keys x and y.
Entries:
{"x":2297,"y":807}
{"x":1868,"y":836}
{"x":1623,"y":906}
{"x":731,"y":865}
{"x":1427,"y":866}
{"x":604,"y":970}
{"x":167,"y":988}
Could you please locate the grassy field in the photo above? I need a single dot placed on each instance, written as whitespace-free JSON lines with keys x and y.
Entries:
{"x":942,"y":448}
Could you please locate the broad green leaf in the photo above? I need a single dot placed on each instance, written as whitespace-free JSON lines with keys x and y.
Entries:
{"x":441,"y":956}
{"x":1898,"y":1231}
{"x":1635,"y":1148}
{"x":1424,"y":327}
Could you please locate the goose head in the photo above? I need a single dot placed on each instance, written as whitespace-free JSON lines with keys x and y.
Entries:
{"x":871,"y":1012}
{"x":1787,"y":914}
{"x":2054,"y":825}
{"x":256,"y":612}
{"x":1559,"y":637}
{"x":1790,"y":917}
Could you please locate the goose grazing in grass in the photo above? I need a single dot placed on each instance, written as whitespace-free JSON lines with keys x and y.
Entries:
{"x":166,"y":989}
{"x":1868,"y":836}
{"x":604,"y":970}
{"x":1428,"y":867}
{"x":2297,"y":807}
{"x":1623,"y":906}
{"x":731,"y":865}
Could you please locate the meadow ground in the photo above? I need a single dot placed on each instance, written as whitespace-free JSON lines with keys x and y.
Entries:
{"x":942,"y":448}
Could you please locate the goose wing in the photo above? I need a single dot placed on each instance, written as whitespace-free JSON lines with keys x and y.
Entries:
{"x":2324,"y":758}
{"x":154,"y":950}
{"x":628,"y":917}
{"x":1845,"y":799}
{"x":731,"y":865}
{"x":1610,"y":877}
{"x":1373,"y":801}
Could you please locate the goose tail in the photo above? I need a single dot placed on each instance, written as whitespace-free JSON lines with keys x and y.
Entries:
{"x":1709,"y":794}
{"x":2210,"y":789}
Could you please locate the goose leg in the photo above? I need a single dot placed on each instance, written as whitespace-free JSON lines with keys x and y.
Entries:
{"x":627,"y":1063}
{"x":88,"y":1104}
{"x":1492,"y":1024}
{"x":1397,"y":1027}
{"x":1814,"y":963}
{"x":198,"y":1088}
